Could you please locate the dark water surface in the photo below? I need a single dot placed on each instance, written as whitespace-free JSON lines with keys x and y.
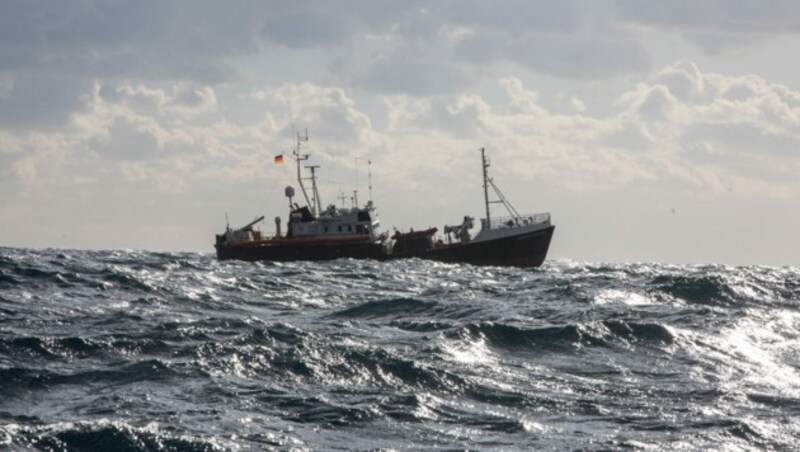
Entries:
{"x":133,"y":350}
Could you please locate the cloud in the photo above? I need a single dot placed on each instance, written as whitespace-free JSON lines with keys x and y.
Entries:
{"x":328,"y":112}
{"x":582,"y":55}
{"x":192,"y":100}
{"x":310,"y":28}
{"x":652,"y":103}
{"x":42,"y":100}
{"x":744,"y":16}
{"x":415,"y":71}
{"x":312,"y":24}
{"x":398,"y":48}
{"x":457,"y":116}
{"x":683,"y":79}
{"x":138,"y":98}
{"x":423,"y":42}
{"x":126,"y":39}
{"x":139,"y":109}
{"x":741,"y":128}
{"x":717,"y":26}
{"x":678,"y":127}
{"x":153,"y":147}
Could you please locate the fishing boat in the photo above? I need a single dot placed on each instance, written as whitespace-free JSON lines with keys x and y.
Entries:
{"x":514,"y":240}
{"x":312,"y":233}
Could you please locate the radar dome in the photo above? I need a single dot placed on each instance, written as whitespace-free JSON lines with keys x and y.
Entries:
{"x":289,"y":191}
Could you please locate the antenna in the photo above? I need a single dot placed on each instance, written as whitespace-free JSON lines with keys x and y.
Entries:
{"x":369,"y":171}
{"x":369,"y":177}
{"x":301,"y":139}
{"x":485,"y":164}
{"x":298,"y":157}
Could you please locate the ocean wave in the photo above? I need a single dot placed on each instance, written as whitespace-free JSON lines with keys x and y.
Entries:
{"x":697,"y":289}
{"x":555,"y":338}
{"x":641,"y":332}
{"x":408,"y":354}
{"x":101,"y":435}
{"x":50,"y":348}
{"x":8,"y":280}
{"x":320,"y":412}
{"x":546,"y":338}
{"x":394,"y":307}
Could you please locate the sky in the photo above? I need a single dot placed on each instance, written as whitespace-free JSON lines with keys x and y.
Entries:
{"x":652,"y":131}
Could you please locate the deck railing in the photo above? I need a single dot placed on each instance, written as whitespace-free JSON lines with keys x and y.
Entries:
{"x":522,"y":220}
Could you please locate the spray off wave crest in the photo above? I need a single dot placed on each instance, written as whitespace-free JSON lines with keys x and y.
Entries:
{"x":144,"y":351}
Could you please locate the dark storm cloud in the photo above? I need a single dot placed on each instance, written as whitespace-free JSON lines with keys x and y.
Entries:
{"x":774,"y":16}
{"x":416,"y":48}
{"x":52,"y":52}
{"x":126,"y":39}
{"x":574,"y":39}
{"x":580,"y":56}
{"x":308,"y":29}
{"x":42,"y":101}
{"x":518,"y":15}
{"x":307,"y":24}
{"x":716,"y":25}
{"x":416,"y":70}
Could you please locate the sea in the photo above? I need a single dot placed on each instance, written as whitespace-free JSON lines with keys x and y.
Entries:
{"x":137,"y":351}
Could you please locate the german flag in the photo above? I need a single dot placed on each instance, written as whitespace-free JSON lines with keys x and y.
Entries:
{"x":279,"y":159}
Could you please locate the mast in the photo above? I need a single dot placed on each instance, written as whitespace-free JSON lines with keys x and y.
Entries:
{"x":316,"y":203}
{"x":501,"y":198}
{"x":485,"y":163}
{"x":369,"y":176}
{"x":298,"y":157}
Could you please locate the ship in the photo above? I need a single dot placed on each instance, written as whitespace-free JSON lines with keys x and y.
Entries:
{"x":515,"y":240}
{"x":315,"y":234}
{"x":312,"y":233}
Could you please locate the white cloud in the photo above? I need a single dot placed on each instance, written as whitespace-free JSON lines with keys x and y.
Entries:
{"x":328,"y":112}
{"x":190,"y":100}
{"x":138,"y":98}
{"x":678,"y":125}
{"x":692,"y":139}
